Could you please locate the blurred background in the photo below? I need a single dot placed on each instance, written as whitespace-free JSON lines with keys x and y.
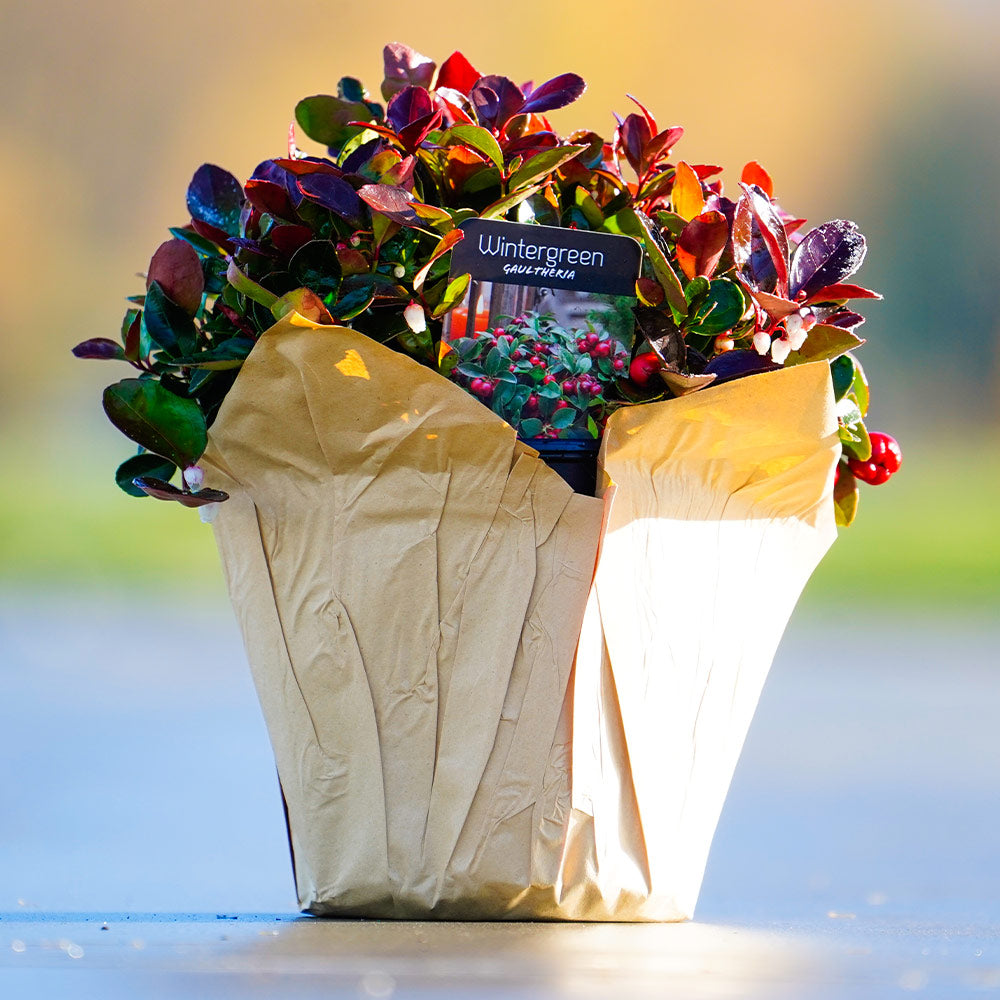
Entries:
{"x":884,"y":113}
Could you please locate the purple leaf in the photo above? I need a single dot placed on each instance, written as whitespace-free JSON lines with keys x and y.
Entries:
{"x":100,"y":348}
{"x":334,"y":193}
{"x":161,"y":490}
{"x":635,"y":134}
{"x":405,"y":67}
{"x":267,"y":196}
{"x":772,"y":232}
{"x":509,"y":100}
{"x":177,"y":268}
{"x":736,"y":364}
{"x":215,"y":198}
{"x":392,"y":202}
{"x":409,"y":105}
{"x":362,"y":155}
{"x":555,"y":93}
{"x":826,"y":256}
{"x":750,"y":252}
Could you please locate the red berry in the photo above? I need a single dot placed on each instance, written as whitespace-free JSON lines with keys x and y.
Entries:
{"x":536,"y":361}
{"x":512,"y":368}
{"x":594,"y":388}
{"x":603,"y":349}
{"x":581,"y":346}
{"x":569,"y":387}
{"x":532,"y":403}
{"x":549,"y":377}
{"x":644,"y":367}
{"x":886,"y":451}
{"x":562,"y":404}
{"x":619,"y":364}
{"x":592,"y":338}
{"x":869,"y":472}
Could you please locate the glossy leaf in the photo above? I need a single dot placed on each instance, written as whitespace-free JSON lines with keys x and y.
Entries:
{"x":204,"y":247}
{"x":555,"y":93}
{"x":154,"y":417}
{"x":305,"y":302}
{"x":686,"y":197}
{"x":496,"y":100}
{"x":737,"y":364}
{"x":176,"y":267}
{"x":271,"y":197}
{"x":479,"y":139}
{"x":327,"y":119}
{"x":248,"y":287}
{"x":542,"y":165}
{"x":453,"y":294}
{"x":841,"y":293}
{"x":447,"y":243}
{"x":775,"y":306}
{"x":754,"y":173}
{"x":146,"y":464}
{"x":826,"y":256}
{"x":632,"y":224}
{"x":700,"y":245}
{"x":166,"y":324}
{"x":842,"y":373}
{"x":392,"y":202}
{"x":772,"y":231}
{"x":721,"y":310}
{"x":333,"y":193}
{"x":409,"y":105}
{"x":499,"y":208}
{"x":457,"y":73}
{"x":160,"y":490}
{"x":634,"y":134}
{"x":405,"y":67}
{"x":845,"y":496}
{"x":215,"y":197}
{"x":100,"y":348}
{"x":824,"y":343}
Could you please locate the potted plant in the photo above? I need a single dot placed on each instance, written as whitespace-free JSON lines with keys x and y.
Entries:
{"x":310,"y":329}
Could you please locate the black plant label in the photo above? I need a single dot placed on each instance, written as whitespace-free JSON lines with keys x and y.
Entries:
{"x":547,"y":257}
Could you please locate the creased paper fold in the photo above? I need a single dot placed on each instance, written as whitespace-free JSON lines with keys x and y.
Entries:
{"x":412,"y":585}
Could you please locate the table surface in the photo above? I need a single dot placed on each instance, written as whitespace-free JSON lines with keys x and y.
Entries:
{"x":143,"y":852}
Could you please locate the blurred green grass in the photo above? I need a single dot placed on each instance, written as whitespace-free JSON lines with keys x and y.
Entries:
{"x":926,"y":540}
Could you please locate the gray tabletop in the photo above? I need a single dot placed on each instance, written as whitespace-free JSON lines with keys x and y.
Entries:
{"x":143,"y":853}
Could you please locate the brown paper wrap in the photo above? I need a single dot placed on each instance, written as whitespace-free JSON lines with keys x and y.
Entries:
{"x":412,"y":585}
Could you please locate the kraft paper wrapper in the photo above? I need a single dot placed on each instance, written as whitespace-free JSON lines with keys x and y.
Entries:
{"x":413,"y":585}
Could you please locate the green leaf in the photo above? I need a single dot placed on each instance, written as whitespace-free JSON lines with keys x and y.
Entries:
{"x":355,"y":297}
{"x":531,"y":427}
{"x":542,"y":164}
{"x":721,"y":310}
{"x":495,"y":363}
{"x":590,"y":209}
{"x":696,"y":288}
{"x":230,"y":353}
{"x":316,"y":265}
{"x":501,"y":207}
{"x":632,"y":224}
{"x":479,"y":139}
{"x":204,"y":247}
{"x":842,"y":372}
{"x":859,"y":387}
{"x":146,"y":464}
{"x":154,"y":417}
{"x":325,"y":118}
{"x":563,"y":418}
{"x":824,"y":343}
{"x":248,"y":287}
{"x":453,"y":294}
{"x":166,"y":324}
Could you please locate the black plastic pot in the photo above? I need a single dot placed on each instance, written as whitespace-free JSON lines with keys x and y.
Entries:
{"x":575,"y":459}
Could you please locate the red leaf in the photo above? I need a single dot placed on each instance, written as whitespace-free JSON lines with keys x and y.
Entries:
{"x":772,"y":231}
{"x":288,"y":239}
{"x":217,"y":236}
{"x":161,"y":490}
{"x":651,"y":121}
{"x":458,"y":73}
{"x":833,"y":293}
{"x":660,"y":145}
{"x":754,"y":173}
{"x":635,"y":135}
{"x":392,"y":202}
{"x":774,"y":305}
{"x":704,"y":170}
{"x":177,"y":268}
{"x":701,"y":243}
{"x":269,"y":197}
